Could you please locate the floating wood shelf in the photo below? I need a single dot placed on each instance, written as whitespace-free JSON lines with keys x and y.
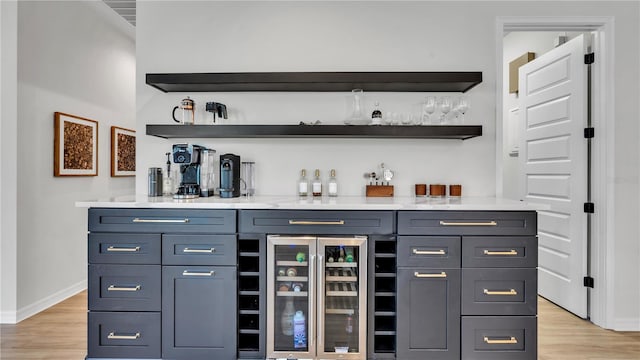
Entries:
{"x":459,"y":132}
{"x":435,"y":81}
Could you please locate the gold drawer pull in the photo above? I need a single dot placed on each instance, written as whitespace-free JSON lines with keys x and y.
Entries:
{"x":510,"y":292}
{"x":304,"y":222}
{"x":489,"y":223}
{"x":169,"y":221}
{"x":422,"y":275}
{"x":512,"y":340}
{"x":123,"y":249}
{"x":428,"y":252}
{"x":113,"y":336}
{"x":511,"y":252}
{"x":198,"y":273}
{"x":123,"y":288}
{"x":208,"y":251}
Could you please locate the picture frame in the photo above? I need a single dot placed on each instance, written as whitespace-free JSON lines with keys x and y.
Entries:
{"x":75,"y":149}
{"x":123,"y":152}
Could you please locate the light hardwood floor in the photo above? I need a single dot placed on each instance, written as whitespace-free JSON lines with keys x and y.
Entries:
{"x":59,"y":333}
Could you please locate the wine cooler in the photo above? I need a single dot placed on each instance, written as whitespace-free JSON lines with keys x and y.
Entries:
{"x":316,"y":297}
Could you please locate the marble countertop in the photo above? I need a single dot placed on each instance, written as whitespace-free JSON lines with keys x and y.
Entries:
{"x":324,"y":203}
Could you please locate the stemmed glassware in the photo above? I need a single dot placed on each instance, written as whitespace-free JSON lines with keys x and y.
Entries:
{"x":462,"y":106}
{"x":445,"y":107}
{"x":428,"y":108}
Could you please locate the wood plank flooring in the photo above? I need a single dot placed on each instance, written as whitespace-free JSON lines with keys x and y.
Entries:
{"x":59,"y":333}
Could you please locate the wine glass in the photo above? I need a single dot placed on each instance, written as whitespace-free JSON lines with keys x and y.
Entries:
{"x":445,"y":107}
{"x":462,"y":107}
{"x":428,"y":108}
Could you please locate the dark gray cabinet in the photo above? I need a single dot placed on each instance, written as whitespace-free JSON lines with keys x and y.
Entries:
{"x":198,"y":312}
{"x":478,"y":294}
{"x":428,"y":297}
{"x":162,"y":284}
{"x":428,"y":313}
{"x":190,"y":283}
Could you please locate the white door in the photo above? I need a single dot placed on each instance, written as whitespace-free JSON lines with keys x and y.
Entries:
{"x":553,"y":160}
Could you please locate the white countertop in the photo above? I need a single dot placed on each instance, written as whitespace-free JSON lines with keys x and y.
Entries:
{"x":324,"y":203}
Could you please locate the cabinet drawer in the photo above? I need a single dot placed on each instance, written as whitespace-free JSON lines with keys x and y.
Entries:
{"x":499,"y":337}
{"x":162,"y":220}
{"x":316,"y":222}
{"x":499,"y":291}
{"x":429,"y":251}
{"x":105,"y":248}
{"x":124,"y":335}
{"x":124,"y":287}
{"x":504,"y":251}
{"x":199,"y":249}
{"x":467,"y":222}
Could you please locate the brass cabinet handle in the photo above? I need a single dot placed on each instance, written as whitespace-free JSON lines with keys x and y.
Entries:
{"x":169,"y":221}
{"x":305,"y":222}
{"x":512,"y":340}
{"x":510,"y":292}
{"x":198,"y":273}
{"x":123,"y":249}
{"x":428,"y":252}
{"x":489,"y":223}
{"x":113,"y":336}
{"x":124,"y":288}
{"x":422,"y":275}
{"x":208,"y":251}
{"x":511,"y":252}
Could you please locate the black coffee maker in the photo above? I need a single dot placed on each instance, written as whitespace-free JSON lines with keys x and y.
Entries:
{"x":188,"y":156}
{"x":229,"y":176}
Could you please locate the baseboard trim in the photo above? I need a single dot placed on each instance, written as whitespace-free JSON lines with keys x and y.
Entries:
{"x":8,"y":317}
{"x":49,"y":301}
{"x":626,"y":324}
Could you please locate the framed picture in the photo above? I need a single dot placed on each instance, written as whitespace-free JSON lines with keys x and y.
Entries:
{"x":123,"y":152}
{"x":75,"y":149}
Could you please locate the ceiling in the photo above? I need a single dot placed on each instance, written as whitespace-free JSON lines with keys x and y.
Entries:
{"x":124,"y":8}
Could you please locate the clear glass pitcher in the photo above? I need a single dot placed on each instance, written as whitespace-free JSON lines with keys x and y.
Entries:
{"x":188,"y":113}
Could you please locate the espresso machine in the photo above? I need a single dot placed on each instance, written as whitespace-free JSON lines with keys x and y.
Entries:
{"x":189,"y":158}
{"x":229,"y":176}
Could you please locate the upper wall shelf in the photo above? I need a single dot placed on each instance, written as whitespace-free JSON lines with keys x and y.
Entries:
{"x":316,"y":81}
{"x":460,"y":132}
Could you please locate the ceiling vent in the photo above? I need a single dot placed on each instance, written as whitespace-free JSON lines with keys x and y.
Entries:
{"x":124,"y":8}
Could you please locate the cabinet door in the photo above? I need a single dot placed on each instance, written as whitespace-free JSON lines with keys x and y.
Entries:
{"x":199,"y":312}
{"x":428,"y":314}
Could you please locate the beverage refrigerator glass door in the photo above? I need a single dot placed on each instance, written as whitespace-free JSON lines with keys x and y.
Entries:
{"x":316,"y":297}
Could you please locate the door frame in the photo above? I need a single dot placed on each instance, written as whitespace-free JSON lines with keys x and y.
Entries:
{"x":601,"y":249}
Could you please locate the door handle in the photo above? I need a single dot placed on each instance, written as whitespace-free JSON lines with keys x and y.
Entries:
{"x":123,"y":249}
{"x":198,"y":273}
{"x":428,"y":252}
{"x":124,"y":288}
{"x":114,"y":336}
{"x":436,"y":275}
{"x":488,"y":223}
{"x":510,"y":292}
{"x":511,"y":252}
{"x":306,"y":222}
{"x":165,"y":221}
{"x":199,"y":251}
{"x":511,"y":340}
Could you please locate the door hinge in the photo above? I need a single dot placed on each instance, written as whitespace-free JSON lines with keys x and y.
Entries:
{"x":589,"y":133}
{"x":588,"y":281}
{"x":589,"y":58}
{"x":589,"y":208}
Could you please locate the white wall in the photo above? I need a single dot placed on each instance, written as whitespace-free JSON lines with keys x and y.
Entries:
{"x":8,"y":170}
{"x":74,"y":57}
{"x":378,"y":36}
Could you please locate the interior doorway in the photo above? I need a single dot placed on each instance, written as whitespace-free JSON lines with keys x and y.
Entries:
{"x":601,"y":28}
